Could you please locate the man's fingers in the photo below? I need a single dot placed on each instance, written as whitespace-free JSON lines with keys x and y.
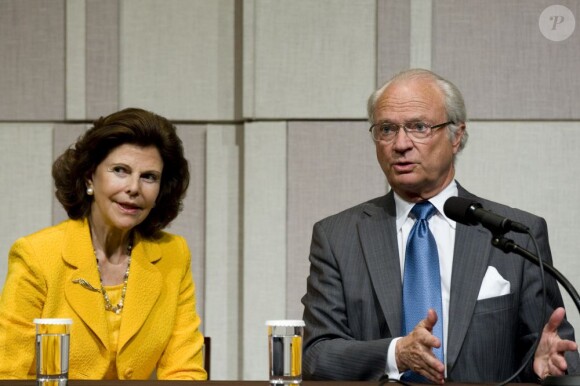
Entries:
{"x":555,"y":320}
{"x":429,"y":321}
{"x":549,"y":358}
{"x":560,"y":364}
{"x":428,"y":366}
{"x":433,"y":370}
{"x":566,"y":345}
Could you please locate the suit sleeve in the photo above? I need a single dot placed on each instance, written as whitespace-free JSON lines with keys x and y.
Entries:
{"x":182,"y":358}
{"x":22,"y":300}
{"x":331,"y":351}
{"x":531,"y":322}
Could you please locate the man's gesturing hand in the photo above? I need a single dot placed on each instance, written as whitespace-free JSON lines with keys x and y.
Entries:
{"x":549,"y":358}
{"x":415,"y":351}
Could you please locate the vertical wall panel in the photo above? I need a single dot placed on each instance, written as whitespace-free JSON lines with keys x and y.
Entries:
{"x":404,"y":36}
{"x":223,"y":285}
{"x":421,"y":16}
{"x":537,"y":176}
{"x":264,"y":240}
{"x":75,"y":59}
{"x":32,"y":43}
{"x":248,"y":57}
{"x":323,"y":68}
{"x":331,"y":166}
{"x":102,"y":34}
{"x":496,"y":54}
{"x":177,"y":57}
{"x":393,"y":38}
{"x":26,"y":152}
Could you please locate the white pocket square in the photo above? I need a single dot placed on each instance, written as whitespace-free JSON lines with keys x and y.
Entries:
{"x":493,"y":285}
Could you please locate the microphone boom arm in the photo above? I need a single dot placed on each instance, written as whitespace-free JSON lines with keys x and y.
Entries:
{"x":508,"y":245}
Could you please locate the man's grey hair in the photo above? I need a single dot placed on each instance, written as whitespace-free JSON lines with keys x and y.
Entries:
{"x":454,"y":103}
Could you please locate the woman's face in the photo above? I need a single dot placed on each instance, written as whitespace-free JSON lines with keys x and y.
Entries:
{"x":126,"y":185}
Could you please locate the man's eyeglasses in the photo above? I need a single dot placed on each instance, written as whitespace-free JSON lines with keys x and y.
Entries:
{"x":417,"y":131}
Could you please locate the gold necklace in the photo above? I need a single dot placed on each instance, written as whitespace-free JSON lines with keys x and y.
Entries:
{"x":108,"y":306}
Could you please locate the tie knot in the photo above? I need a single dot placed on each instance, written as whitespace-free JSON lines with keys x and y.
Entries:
{"x":423,"y":210}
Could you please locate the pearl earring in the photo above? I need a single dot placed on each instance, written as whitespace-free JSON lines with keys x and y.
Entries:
{"x":90,"y":191}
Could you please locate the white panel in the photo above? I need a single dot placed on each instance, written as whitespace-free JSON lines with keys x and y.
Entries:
{"x":26,"y":188}
{"x":421,"y":33}
{"x":531,"y":166}
{"x":177,"y":57}
{"x":264,"y":250}
{"x":313,"y":59}
{"x":75,"y":59}
{"x":222,"y":269}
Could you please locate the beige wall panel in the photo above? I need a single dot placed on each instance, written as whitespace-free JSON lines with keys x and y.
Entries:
{"x":26,"y":188}
{"x":421,"y":18}
{"x":223,"y":287}
{"x":496,"y":54}
{"x":248,"y":59}
{"x":102,"y":57}
{"x":264,"y":240}
{"x":32,"y":84}
{"x":393,"y":38}
{"x":331,"y":166}
{"x":177,"y":57}
{"x":404,"y":36}
{"x":531,"y":166}
{"x":75,"y":59}
{"x":311,"y":59}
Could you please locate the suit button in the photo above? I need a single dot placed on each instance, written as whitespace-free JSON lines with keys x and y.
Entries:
{"x":129,"y":373}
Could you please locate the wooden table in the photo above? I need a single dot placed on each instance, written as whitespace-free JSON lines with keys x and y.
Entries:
{"x":32,"y":382}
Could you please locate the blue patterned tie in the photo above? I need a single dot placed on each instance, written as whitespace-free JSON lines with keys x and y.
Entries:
{"x":422,"y":280}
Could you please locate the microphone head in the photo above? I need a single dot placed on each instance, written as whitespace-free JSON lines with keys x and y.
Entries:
{"x":461,"y":209}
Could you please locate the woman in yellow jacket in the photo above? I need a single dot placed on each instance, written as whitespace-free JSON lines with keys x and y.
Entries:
{"x":125,"y":283}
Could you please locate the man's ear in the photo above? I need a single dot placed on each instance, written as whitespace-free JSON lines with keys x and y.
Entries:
{"x":456,"y":142}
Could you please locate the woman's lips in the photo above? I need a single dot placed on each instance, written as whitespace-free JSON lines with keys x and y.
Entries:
{"x":128,"y":208}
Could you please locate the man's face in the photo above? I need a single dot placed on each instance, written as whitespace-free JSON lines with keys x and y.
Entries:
{"x":416,"y":171}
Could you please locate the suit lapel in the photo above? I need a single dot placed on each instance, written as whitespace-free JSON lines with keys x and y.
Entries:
{"x":143,"y":289}
{"x":470,"y":261}
{"x":378,"y":237}
{"x":82,"y":284}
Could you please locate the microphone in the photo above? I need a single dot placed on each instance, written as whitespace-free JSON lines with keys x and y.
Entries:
{"x":467,"y":212}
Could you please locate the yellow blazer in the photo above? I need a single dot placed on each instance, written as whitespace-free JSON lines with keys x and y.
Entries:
{"x":159,"y":327}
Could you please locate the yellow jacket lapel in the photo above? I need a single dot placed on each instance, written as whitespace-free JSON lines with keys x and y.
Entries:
{"x":143,"y":289}
{"x":82,"y":284}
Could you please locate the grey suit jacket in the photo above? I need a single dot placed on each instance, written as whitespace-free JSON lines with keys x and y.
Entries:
{"x":354,"y":292}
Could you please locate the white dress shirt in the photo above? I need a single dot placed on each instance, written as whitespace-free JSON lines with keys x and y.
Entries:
{"x":443,"y":230}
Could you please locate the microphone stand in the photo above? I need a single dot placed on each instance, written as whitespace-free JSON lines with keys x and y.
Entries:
{"x":507,"y":245}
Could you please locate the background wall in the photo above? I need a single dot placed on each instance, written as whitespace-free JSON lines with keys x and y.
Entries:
{"x":269,"y":97}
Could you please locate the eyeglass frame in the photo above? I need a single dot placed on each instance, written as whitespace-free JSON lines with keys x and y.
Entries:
{"x":431,"y":129}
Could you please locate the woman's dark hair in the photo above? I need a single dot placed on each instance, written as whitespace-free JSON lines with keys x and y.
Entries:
{"x":133,"y":126}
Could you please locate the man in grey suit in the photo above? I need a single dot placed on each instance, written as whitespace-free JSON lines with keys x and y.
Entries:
{"x":491,"y":301}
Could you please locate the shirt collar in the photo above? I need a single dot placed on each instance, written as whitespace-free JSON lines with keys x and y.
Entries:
{"x":404,"y":207}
